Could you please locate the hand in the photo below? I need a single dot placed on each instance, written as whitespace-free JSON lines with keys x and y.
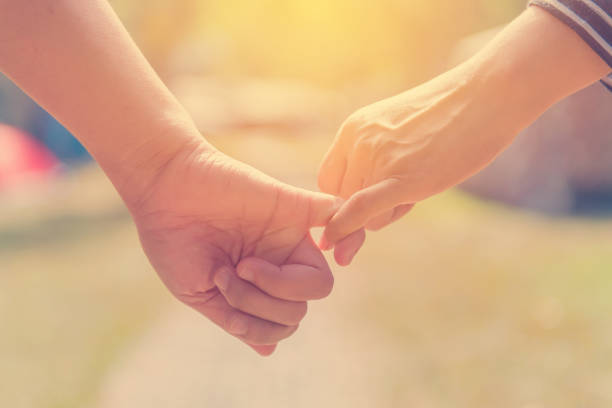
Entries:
{"x":227,"y":240}
{"x":234,"y":244}
{"x":396,"y":152}
{"x":404,"y":149}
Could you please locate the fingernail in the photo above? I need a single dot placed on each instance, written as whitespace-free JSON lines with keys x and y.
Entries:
{"x":246,"y":274}
{"x":324,"y":244}
{"x":238,"y":326}
{"x":222,"y":279}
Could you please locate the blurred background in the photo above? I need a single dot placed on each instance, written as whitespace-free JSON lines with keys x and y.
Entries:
{"x":494,"y":294}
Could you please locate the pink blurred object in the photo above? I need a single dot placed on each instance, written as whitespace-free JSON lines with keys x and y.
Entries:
{"x":23,"y":159}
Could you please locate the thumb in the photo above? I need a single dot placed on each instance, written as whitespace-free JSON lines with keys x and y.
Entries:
{"x":361,"y":207}
{"x":322,"y":208}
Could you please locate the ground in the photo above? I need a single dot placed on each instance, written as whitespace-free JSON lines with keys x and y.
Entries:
{"x":461,"y":304}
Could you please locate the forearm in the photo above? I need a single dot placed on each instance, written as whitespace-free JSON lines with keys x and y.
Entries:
{"x":75,"y":58}
{"x":533,"y":63}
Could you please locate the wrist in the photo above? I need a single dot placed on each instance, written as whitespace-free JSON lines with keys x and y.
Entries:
{"x":135,"y":168}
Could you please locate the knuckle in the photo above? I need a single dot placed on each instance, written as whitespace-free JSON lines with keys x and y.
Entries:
{"x":286,"y":331}
{"x":298,"y":314}
{"x":358,"y":203}
{"x":236,"y":297}
{"x":329,"y":284}
{"x":349,"y":126}
{"x":195,"y":298}
{"x":258,"y":339}
{"x":248,"y":269}
{"x":237,"y":324}
{"x":240,"y":302}
{"x":269,"y":335}
{"x":365,"y":143}
{"x":230,"y":320}
{"x":326,"y":286}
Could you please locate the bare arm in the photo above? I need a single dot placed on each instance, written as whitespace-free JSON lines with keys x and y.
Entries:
{"x":77,"y":61}
{"x":396,"y":152}
{"x":226,"y":240}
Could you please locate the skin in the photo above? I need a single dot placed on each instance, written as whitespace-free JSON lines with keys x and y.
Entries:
{"x":402,"y":150}
{"x":227,"y":240}
{"x":231,"y":242}
{"x":234,"y":244}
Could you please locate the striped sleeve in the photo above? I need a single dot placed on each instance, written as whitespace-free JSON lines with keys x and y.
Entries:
{"x":607,"y":82}
{"x":591,"y":19}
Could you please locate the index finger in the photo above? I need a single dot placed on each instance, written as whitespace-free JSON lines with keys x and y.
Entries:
{"x":304,"y":276}
{"x":360,"y":208}
{"x":293,"y":282}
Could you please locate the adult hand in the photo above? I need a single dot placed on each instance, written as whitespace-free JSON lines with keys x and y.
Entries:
{"x":227,"y":240}
{"x":396,"y":152}
{"x":404,"y":149}
{"x":234,"y":244}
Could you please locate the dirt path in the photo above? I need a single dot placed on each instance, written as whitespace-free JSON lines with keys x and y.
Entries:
{"x":183,"y":361}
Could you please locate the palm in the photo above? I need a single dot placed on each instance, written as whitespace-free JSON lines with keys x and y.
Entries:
{"x":211,"y":212}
